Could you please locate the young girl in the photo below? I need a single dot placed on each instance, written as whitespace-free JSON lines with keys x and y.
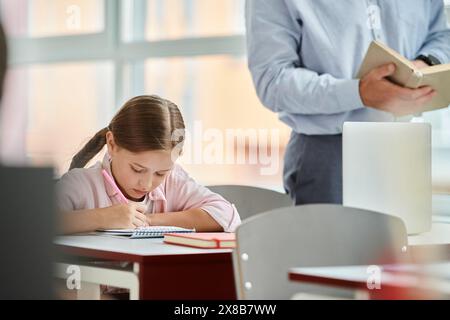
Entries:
{"x":143,"y":140}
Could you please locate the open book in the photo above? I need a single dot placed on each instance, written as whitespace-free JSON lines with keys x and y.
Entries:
{"x":408,"y":75}
{"x":144,"y":232}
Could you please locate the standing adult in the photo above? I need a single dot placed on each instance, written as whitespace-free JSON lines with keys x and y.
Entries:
{"x":303,"y":57}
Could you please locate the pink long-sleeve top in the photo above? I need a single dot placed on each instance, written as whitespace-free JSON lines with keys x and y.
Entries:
{"x":86,"y":188}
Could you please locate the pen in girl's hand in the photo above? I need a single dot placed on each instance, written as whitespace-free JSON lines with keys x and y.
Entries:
{"x":111,"y":182}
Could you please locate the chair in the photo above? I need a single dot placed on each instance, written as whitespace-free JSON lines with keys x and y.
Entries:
{"x":271,"y":243}
{"x":252,"y":200}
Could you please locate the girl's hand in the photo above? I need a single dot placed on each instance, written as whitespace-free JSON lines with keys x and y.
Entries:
{"x":124,"y":216}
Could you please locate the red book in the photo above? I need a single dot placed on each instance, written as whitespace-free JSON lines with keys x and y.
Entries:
{"x":210,"y":240}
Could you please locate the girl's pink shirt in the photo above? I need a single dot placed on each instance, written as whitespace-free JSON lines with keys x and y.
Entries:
{"x":86,"y":188}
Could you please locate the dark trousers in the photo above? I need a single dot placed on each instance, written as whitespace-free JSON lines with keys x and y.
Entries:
{"x":313,"y":169}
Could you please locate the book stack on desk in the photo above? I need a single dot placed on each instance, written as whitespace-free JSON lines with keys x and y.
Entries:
{"x":210,"y":240}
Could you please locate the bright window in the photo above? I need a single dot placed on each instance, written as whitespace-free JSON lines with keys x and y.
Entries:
{"x":47,"y":18}
{"x":74,"y":62}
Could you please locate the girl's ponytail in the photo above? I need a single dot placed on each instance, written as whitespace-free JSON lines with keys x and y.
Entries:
{"x":89,"y":150}
{"x":144,"y":123}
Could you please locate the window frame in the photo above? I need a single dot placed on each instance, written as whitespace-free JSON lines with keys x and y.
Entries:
{"x":127,"y":58}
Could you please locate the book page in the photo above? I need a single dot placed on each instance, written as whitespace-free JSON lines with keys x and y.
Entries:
{"x":439,"y":80}
{"x":378,"y":54}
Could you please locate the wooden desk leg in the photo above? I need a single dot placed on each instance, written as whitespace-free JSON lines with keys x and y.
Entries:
{"x":202,"y":276}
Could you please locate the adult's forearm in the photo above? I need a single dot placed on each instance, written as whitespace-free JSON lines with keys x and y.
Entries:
{"x":196,"y":219}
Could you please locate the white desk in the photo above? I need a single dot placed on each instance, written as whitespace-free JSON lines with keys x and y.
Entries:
{"x":439,"y":235}
{"x":140,"y":247}
{"x":156,"y":270}
{"x":433,"y":246}
{"x":440,"y":232}
{"x":401,"y":281}
{"x":156,"y":265}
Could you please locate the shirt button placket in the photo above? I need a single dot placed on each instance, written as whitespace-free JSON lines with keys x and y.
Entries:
{"x":376,"y":31}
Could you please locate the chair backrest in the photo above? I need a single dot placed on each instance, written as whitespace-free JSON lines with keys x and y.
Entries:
{"x":271,"y":243}
{"x":252,"y":200}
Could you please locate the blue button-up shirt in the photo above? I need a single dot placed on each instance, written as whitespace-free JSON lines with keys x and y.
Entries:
{"x":304,"y":54}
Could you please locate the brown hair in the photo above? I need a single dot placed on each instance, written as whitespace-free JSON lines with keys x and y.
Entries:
{"x":144,"y":123}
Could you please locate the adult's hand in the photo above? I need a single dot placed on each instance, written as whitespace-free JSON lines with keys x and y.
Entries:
{"x":378,"y":92}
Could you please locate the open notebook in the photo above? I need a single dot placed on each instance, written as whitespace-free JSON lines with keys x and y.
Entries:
{"x":145,"y":232}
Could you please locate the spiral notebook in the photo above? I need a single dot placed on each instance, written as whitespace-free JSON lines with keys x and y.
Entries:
{"x":145,"y":232}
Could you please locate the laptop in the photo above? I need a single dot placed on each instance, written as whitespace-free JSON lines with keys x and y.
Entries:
{"x":27,"y":223}
{"x":387,"y":168}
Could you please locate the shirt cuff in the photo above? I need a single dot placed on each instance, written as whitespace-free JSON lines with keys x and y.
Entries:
{"x":348,"y":96}
{"x":436,"y":53}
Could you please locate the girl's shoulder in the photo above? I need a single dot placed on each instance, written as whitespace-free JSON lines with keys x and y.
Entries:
{"x":177,"y":178}
{"x":82,"y":188}
{"x":83,"y":177}
{"x":178,"y":171}
{"x":178,"y":175}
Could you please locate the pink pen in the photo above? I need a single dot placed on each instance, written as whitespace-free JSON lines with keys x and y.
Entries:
{"x":110,"y":180}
